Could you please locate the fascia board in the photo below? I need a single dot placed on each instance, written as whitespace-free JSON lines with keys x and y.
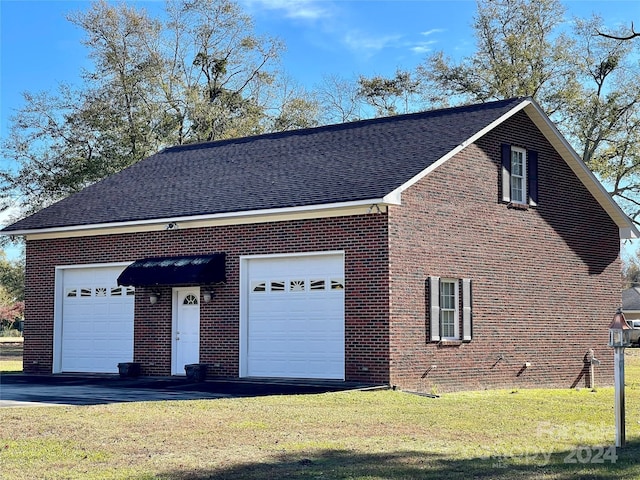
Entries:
{"x":586,"y":176}
{"x":230,"y":218}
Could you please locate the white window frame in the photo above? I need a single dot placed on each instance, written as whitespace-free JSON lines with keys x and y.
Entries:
{"x":455,"y":310}
{"x":523,"y":178}
{"x":462,"y":289}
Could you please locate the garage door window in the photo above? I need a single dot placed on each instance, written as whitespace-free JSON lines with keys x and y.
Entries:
{"x":99,"y":292}
{"x":297,"y":285}
{"x":120,"y":291}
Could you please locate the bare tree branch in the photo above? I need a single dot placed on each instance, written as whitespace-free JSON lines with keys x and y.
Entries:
{"x":631,"y":36}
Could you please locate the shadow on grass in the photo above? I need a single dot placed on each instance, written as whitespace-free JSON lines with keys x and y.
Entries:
{"x":584,"y":463}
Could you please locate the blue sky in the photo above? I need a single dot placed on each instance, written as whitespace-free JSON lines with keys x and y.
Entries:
{"x":39,"y":48}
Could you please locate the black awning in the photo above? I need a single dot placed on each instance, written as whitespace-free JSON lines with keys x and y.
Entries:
{"x":175,"y":271}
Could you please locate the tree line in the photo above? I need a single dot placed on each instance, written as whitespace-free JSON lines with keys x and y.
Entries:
{"x":200,"y":72}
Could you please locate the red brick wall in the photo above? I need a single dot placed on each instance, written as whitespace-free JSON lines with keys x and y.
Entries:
{"x":366,"y":299}
{"x":545,"y":280}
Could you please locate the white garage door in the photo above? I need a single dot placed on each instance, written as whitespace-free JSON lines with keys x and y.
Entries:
{"x":97,"y":320}
{"x":295,"y":317}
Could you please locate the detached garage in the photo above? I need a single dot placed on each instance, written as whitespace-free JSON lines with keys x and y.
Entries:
{"x":93,"y":321}
{"x":314,"y":254}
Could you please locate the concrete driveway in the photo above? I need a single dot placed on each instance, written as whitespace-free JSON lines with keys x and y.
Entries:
{"x":18,"y":390}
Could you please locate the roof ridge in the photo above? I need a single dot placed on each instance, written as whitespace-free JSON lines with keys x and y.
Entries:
{"x":341,"y":126}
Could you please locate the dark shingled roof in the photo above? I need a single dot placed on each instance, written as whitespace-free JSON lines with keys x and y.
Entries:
{"x":332,"y":164}
{"x":631,"y":299}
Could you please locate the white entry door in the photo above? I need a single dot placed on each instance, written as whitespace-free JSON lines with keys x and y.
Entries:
{"x":186,"y":328}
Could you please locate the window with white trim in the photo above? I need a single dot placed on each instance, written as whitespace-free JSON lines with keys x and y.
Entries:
{"x":449,"y":309}
{"x":519,"y":175}
{"x":446,"y":297}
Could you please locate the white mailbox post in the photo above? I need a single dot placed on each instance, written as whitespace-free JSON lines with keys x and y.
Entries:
{"x":619,"y":339}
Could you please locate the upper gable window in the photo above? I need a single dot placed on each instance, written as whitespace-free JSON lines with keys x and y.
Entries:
{"x":519,"y":175}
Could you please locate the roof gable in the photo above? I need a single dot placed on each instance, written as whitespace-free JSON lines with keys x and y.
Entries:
{"x":360,"y":161}
{"x":631,"y":299}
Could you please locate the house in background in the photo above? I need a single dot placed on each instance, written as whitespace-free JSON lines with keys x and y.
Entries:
{"x":463,"y":248}
{"x":631,"y":303}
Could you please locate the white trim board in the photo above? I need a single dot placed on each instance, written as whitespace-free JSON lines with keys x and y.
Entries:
{"x":236,"y":218}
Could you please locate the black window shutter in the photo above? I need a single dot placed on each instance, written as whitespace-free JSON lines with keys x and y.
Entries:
{"x":434,"y":309}
{"x":532,"y":173}
{"x":506,"y":172}
{"x":467,"y":312}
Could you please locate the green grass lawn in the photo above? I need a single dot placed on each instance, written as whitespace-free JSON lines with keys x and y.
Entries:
{"x":10,"y":358}
{"x":529,"y":434}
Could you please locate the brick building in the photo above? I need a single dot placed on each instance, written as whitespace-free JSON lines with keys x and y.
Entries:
{"x":462,"y":248}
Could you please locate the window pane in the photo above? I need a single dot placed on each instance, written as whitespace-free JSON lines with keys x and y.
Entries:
{"x":516,"y":189}
{"x":448,"y":324}
{"x":447,"y":295}
{"x":317,"y":284}
{"x":297,"y":286}
{"x":516,"y":163}
{"x":190,"y":300}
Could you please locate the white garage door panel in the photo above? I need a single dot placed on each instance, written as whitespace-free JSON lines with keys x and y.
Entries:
{"x":97,"y":320}
{"x":295,"y":324}
{"x":309,"y":368}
